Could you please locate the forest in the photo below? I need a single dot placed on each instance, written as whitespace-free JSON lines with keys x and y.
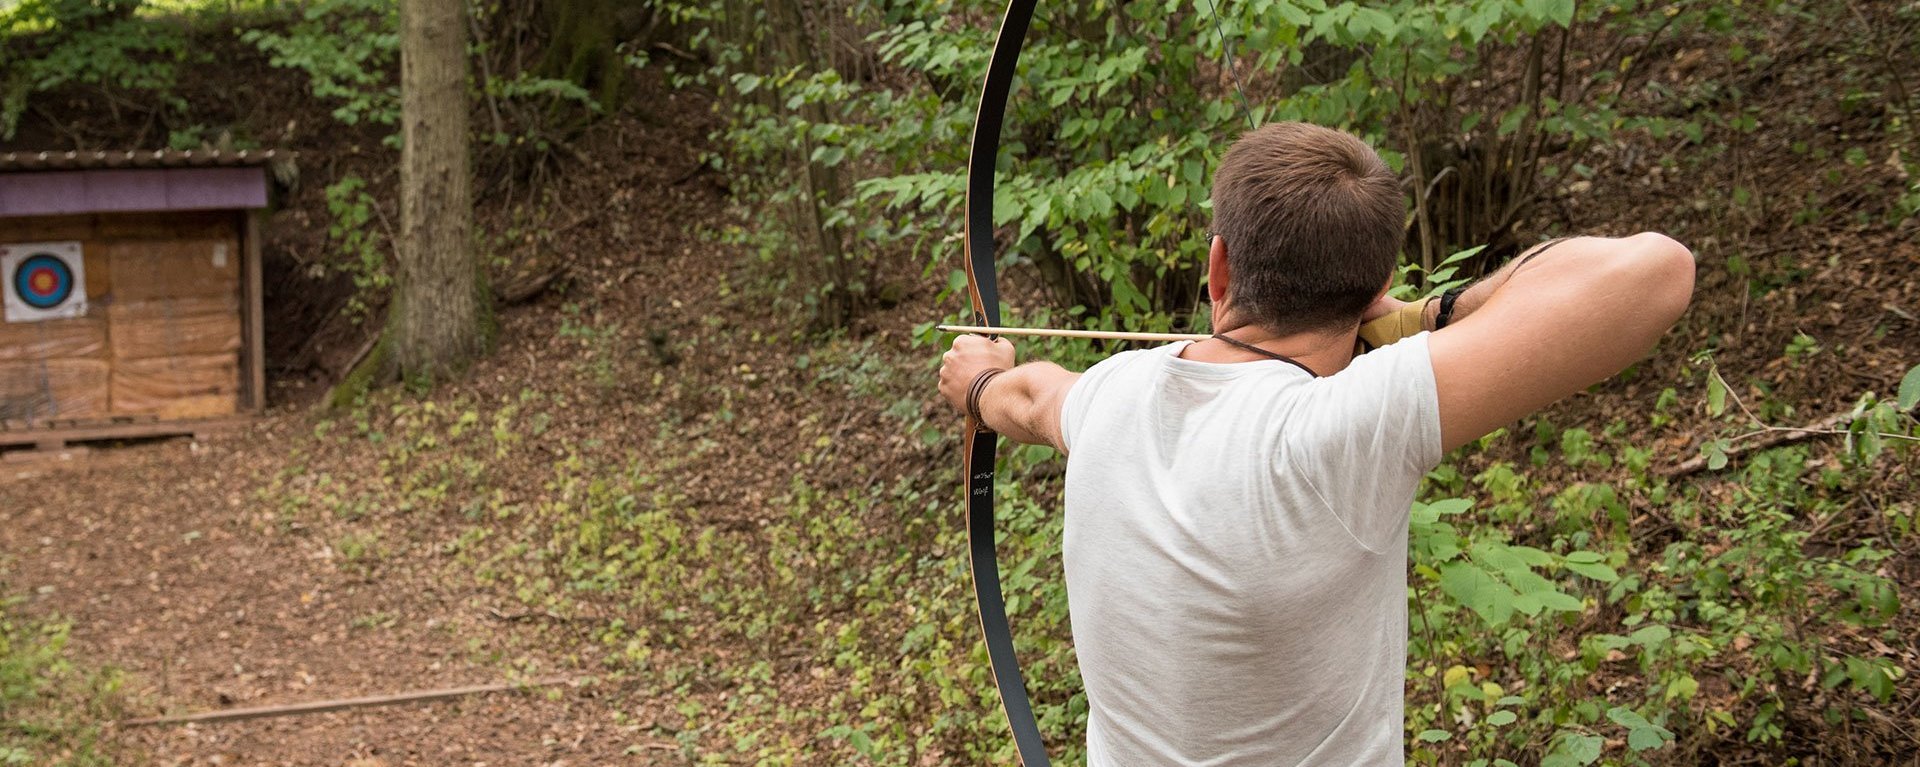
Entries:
{"x":576,"y":369}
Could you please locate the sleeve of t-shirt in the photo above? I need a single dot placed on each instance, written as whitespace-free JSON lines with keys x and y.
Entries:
{"x":1077,"y":406}
{"x":1366,"y":435}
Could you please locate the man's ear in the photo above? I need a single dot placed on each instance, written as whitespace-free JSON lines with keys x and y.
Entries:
{"x":1217,"y":275}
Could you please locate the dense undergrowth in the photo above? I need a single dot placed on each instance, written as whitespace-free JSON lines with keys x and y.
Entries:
{"x":1598,"y":620}
{"x":1579,"y":593}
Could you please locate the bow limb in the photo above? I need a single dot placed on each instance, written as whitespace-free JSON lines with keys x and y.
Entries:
{"x":981,"y":444}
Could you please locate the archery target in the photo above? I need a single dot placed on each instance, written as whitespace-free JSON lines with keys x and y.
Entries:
{"x":44,"y":281}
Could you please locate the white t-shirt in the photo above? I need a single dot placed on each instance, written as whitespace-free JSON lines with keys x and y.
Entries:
{"x":1236,"y":555}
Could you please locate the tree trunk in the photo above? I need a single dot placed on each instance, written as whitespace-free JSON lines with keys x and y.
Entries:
{"x":440,"y":315}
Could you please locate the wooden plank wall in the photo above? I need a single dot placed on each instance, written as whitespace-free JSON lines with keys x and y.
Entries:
{"x":162,"y":336}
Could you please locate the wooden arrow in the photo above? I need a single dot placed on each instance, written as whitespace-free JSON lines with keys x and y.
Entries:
{"x":1108,"y":335}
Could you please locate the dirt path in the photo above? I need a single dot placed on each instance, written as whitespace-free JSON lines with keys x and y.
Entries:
{"x":209,"y":600}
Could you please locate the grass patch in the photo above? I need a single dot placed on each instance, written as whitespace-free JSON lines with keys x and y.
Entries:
{"x":51,"y":709}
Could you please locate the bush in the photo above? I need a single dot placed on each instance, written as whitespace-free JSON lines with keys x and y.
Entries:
{"x":46,"y":45}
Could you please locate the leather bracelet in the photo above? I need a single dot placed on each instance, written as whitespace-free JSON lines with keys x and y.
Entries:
{"x":1445,"y":315}
{"x":978,"y":387}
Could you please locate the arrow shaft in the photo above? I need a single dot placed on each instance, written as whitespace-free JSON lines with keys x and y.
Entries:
{"x":1107,"y":335}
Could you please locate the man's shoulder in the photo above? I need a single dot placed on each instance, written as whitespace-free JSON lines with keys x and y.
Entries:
{"x":1393,"y":358}
{"x":1105,"y":375}
{"x":1130,"y":360}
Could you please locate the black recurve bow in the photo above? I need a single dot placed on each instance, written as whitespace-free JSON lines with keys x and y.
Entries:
{"x":980,"y":443}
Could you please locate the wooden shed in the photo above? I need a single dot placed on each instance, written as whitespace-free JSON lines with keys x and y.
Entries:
{"x":132,"y":293}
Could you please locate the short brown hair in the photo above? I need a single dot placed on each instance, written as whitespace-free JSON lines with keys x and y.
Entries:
{"x":1313,"y":221}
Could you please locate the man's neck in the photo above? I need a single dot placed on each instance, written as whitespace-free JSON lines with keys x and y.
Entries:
{"x":1325,"y":352}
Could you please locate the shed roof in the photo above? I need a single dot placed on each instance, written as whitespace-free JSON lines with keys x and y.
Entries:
{"x":163,"y":158}
{"x":61,"y":183}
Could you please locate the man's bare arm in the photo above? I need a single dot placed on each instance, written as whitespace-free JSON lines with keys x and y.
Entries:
{"x":1023,"y":403}
{"x":1552,"y":324}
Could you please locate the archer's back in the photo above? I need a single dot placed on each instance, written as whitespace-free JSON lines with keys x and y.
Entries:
{"x":1236,"y":555}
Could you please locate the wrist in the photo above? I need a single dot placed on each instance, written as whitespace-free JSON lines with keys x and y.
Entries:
{"x":974,"y":393}
{"x":1448,"y":304}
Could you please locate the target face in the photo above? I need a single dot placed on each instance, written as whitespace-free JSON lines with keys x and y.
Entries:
{"x":44,"y":281}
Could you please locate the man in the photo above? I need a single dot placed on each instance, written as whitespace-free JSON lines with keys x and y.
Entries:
{"x":1236,"y":529}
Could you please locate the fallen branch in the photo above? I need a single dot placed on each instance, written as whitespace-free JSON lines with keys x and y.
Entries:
{"x":527,"y":288}
{"x":1767,"y":437}
{"x":322,"y":706}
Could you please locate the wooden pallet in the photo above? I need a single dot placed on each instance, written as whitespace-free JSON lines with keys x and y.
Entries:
{"x":57,"y":435}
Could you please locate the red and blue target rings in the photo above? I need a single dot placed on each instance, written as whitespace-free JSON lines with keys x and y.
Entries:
{"x":43,"y":281}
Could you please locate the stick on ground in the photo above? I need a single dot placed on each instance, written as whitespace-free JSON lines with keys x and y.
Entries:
{"x":321,"y":706}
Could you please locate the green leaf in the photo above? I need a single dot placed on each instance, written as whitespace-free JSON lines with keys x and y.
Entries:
{"x":1555,"y":600}
{"x":1292,"y":15}
{"x":1462,"y":255}
{"x":1683,"y":688}
{"x":1497,"y":556}
{"x":1648,"y":636}
{"x":1560,"y":12}
{"x":1573,"y":750}
{"x":1626,"y":717}
{"x":1502,"y":718}
{"x":1910,"y":389}
{"x":1716,"y":453}
{"x":1433,"y":736}
{"x":1716,"y":396}
{"x":1649,"y":738}
{"x":1480,"y":592}
{"x":1598,"y":572}
{"x":1379,"y":20}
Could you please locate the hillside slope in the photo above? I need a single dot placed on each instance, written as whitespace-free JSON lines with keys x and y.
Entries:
{"x":739,"y":536}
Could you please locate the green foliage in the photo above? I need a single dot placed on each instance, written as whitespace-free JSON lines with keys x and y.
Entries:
{"x":599,"y":335}
{"x":50,"y":710}
{"x":350,"y":53}
{"x":349,"y":50}
{"x":1739,"y":596}
{"x":46,"y":45}
{"x":1909,"y":395}
{"x":1114,"y":127}
{"x":361,"y":241}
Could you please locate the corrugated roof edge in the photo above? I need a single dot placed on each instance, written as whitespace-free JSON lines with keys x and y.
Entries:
{"x":279,"y":164}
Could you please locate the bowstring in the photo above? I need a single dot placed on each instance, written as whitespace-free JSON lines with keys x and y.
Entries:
{"x":1226,"y":48}
{"x":1246,"y":108}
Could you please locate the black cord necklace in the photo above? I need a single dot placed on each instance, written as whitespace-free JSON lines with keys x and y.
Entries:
{"x":1265,"y":353}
